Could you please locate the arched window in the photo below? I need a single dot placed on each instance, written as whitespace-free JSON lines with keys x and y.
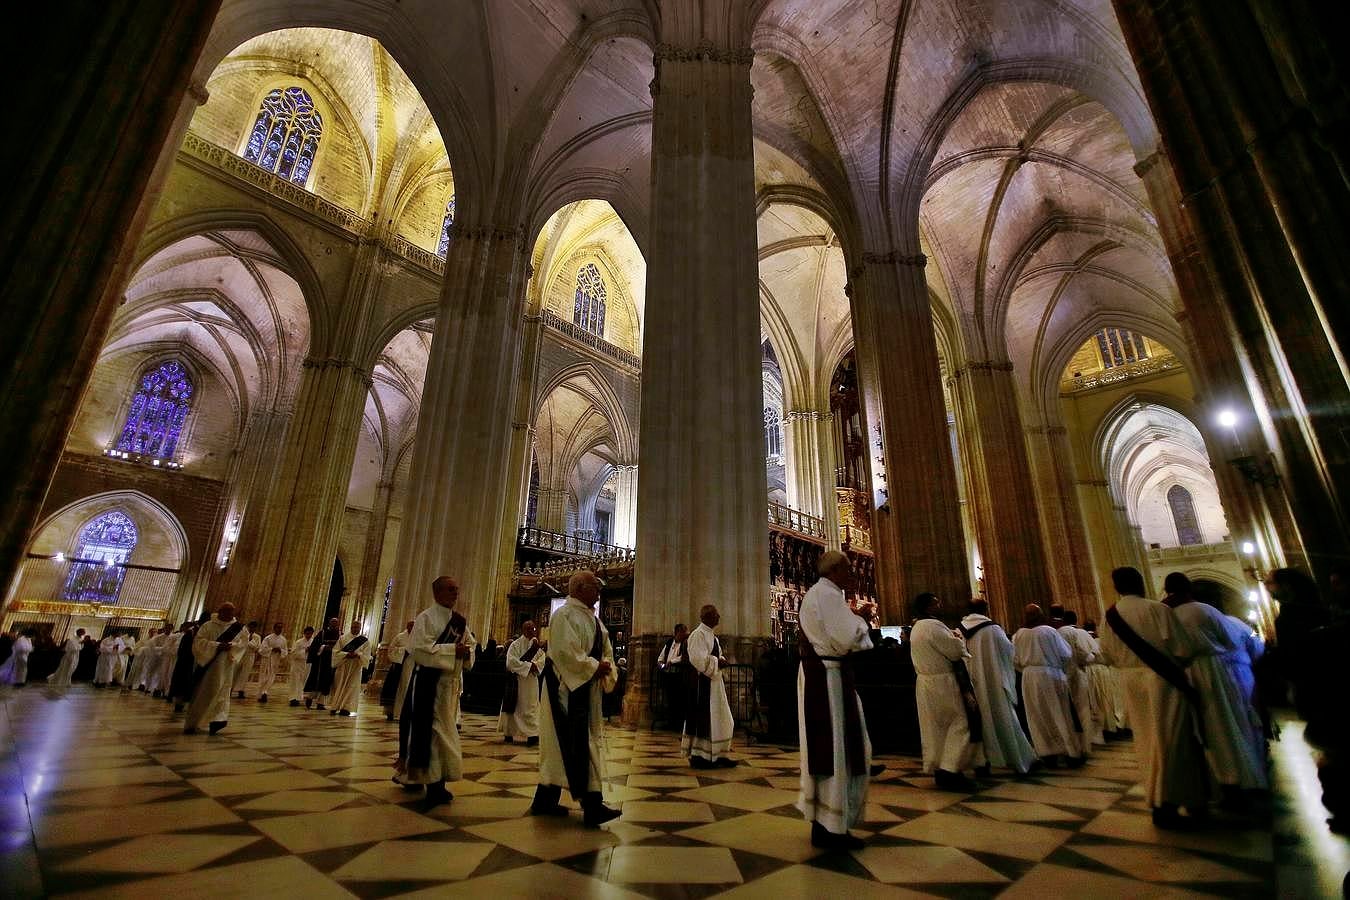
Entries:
{"x":773,"y":433}
{"x":96,"y":573}
{"x":532,"y":502}
{"x":1119,"y":346}
{"x":286,"y":134}
{"x":446,"y":225}
{"x":1183,"y":514}
{"x":159,"y":408}
{"x":589,"y":311}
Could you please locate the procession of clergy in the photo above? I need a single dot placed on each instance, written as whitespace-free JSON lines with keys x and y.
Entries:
{"x":1178,"y":673}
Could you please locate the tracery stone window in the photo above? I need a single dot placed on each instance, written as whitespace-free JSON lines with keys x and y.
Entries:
{"x":532,"y":500}
{"x":588,"y":312}
{"x":1183,"y":514}
{"x":1119,"y":346}
{"x":97,"y":572}
{"x":286,"y":134}
{"x":447,"y":224}
{"x":773,"y":433}
{"x":159,"y":409}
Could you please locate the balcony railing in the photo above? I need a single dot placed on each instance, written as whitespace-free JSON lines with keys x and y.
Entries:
{"x":417,"y":255}
{"x":559,"y":324}
{"x":1221,"y":549}
{"x":570,"y":544}
{"x":789,"y":519}
{"x":1110,"y":377}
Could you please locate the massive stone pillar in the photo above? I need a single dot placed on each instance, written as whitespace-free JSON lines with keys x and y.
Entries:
{"x":1270,"y":212}
{"x":919,"y":542}
{"x":702,"y":533}
{"x":461,"y":498}
{"x":1002,"y":493}
{"x":369,"y":592}
{"x":1073,"y":579}
{"x":102,"y":102}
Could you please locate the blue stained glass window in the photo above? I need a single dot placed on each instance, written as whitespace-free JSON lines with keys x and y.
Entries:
{"x":286,"y":134}
{"x":588,"y":312}
{"x":159,"y":409}
{"x":1183,"y":514}
{"x":447,"y":225}
{"x":97,"y":572}
{"x":1119,"y":346}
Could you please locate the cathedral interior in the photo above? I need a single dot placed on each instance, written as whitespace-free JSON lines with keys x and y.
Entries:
{"x":309,"y":303}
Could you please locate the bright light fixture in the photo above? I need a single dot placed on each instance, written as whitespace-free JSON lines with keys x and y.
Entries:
{"x":1228,"y":418}
{"x":1248,"y":547}
{"x":1253,"y":596}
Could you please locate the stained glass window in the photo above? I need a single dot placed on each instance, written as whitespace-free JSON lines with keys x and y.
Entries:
{"x":96,"y":572}
{"x":447,"y":224}
{"x":773,"y":432}
{"x":1183,"y":514}
{"x":159,"y":408}
{"x":532,"y":502}
{"x":286,"y":134}
{"x":589,"y":309}
{"x":1119,"y":346}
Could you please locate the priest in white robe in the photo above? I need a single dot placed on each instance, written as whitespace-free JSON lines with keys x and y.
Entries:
{"x":995,"y":682}
{"x":580,"y":667}
{"x":440,"y":647}
{"x":1248,"y":648}
{"x":271,"y":653}
{"x":217,"y":649}
{"x":708,"y":725}
{"x":15,"y":669}
{"x":1144,"y":641}
{"x":836,"y":754}
{"x":393,"y":676}
{"x":1080,"y":683}
{"x":70,"y":658}
{"x":109,"y":654}
{"x":944,"y":715}
{"x":350,"y":656}
{"x":124,"y":657}
{"x":299,"y":662}
{"x":1042,"y":655}
{"x":525,"y":660}
{"x":158,"y":679}
{"x":145,"y":655}
{"x":1105,"y":696}
{"x":244,"y":668}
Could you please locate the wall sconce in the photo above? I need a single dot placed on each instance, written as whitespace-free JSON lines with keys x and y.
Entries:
{"x":231,"y":535}
{"x":1257,"y":471}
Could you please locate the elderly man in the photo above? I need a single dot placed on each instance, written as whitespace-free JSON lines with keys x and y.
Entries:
{"x":439,"y":649}
{"x":708,"y":726}
{"x":217,"y":648}
{"x":995,"y":683}
{"x":520,"y":701}
{"x":398,"y":650}
{"x":299,"y":673}
{"x":350,"y":656}
{"x":945,"y":707}
{"x":271,"y":651}
{"x":571,"y":727}
{"x":836,"y":752}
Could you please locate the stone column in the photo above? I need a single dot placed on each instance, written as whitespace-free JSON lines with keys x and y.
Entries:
{"x":551,"y":514}
{"x":1073,"y":578}
{"x":919,"y":543}
{"x":370,"y":593}
{"x":1002,"y":493}
{"x":461,"y":499}
{"x":103,"y":98}
{"x":625,"y":505}
{"x":701,"y":525}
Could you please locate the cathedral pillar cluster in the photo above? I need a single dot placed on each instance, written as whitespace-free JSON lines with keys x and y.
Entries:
{"x":919,"y":543}
{"x":1002,"y":492}
{"x":1267,"y":207}
{"x":464,"y":501}
{"x":809,"y":448}
{"x":701,"y":514}
{"x":98,"y":140}
{"x":1073,"y":580}
{"x":370,"y":593}
{"x":625,"y":505}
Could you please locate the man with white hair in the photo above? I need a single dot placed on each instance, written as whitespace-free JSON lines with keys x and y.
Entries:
{"x":571,"y":724}
{"x":836,"y":753}
{"x":708,"y":727}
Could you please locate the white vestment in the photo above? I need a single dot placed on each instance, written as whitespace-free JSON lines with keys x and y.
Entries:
{"x":168,"y":658}
{"x":299,"y":667}
{"x":1234,"y":743}
{"x":1164,"y":743}
{"x":721,"y":725}
{"x":136,"y":669}
{"x":70,"y":658}
{"x":835,"y":801}
{"x":124,"y":659}
{"x":1042,"y":656}
{"x":995,"y":682}
{"x":1080,"y":684}
{"x":271,"y":653}
{"x":211,"y":700}
{"x":524,"y":722}
{"x":244,"y":668}
{"x":15,"y":669}
{"x":571,"y":634}
{"x":109,"y":652}
{"x":347,"y":668}
{"x":1248,"y":648}
{"x":1105,"y":695}
{"x":943,"y":728}
{"x":445,"y":761}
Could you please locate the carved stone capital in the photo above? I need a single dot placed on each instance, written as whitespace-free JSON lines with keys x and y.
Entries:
{"x":983,"y":365}
{"x":733,"y":56}
{"x":894,"y":258}
{"x":197,"y":91}
{"x":807,"y":415}
{"x":1144,"y":165}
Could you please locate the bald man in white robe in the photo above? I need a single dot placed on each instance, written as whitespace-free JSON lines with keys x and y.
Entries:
{"x":1042,"y":655}
{"x":217,"y":649}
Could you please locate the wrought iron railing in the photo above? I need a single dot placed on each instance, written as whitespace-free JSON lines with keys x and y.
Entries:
{"x":1150,"y":366}
{"x":570,"y":544}
{"x":595,"y":342}
{"x":789,"y":519}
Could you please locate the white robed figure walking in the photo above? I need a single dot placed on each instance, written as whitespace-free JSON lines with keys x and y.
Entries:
{"x":168,"y":658}
{"x":299,"y":671}
{"x":123,"y":662}
{"x":15,"y":669}
{"x":525,"y":660}
{"x":271,"y":652}
{"x":571,"y":722}
{"x":217,"y":648}
{"x":70,"y":658}
{"x":1042,"y":655}
{"x":708,"y":724}
{"x":836,"y":754}
{"x":995,"y":682}
{"x":945,"y":727}
{"x":244,"y":668}
{"x":1085,"y":651}
{"x":109,"y":652}
{"x":350,"y":656}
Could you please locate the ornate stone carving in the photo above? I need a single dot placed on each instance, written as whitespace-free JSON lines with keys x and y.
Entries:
{"x":894,"y":257}
{"x":736,"y":56}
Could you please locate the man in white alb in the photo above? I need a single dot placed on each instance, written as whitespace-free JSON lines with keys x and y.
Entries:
{"x":124,"y":658}
{"x":299,"y":672}
{"x":1085,"y":652}
{"x":70,"y":658}
{"x":15,"y":669}
{"x":708,"y":725}
{"x":244,"y":668}
{"x":1042,"y":656}
{"x":393,"y":676}
{"x":350,"y":656}
{"x":520,"y":703}
{"x":995,"y":682}
{"x":836,"y":754}
{"x":217,"y":649}
{"x":109,"y":652}
{"x":271,"y":653}
{"x":947,"y":724}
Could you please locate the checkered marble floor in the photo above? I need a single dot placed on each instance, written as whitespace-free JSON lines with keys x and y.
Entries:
{"x":103,"y":795}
